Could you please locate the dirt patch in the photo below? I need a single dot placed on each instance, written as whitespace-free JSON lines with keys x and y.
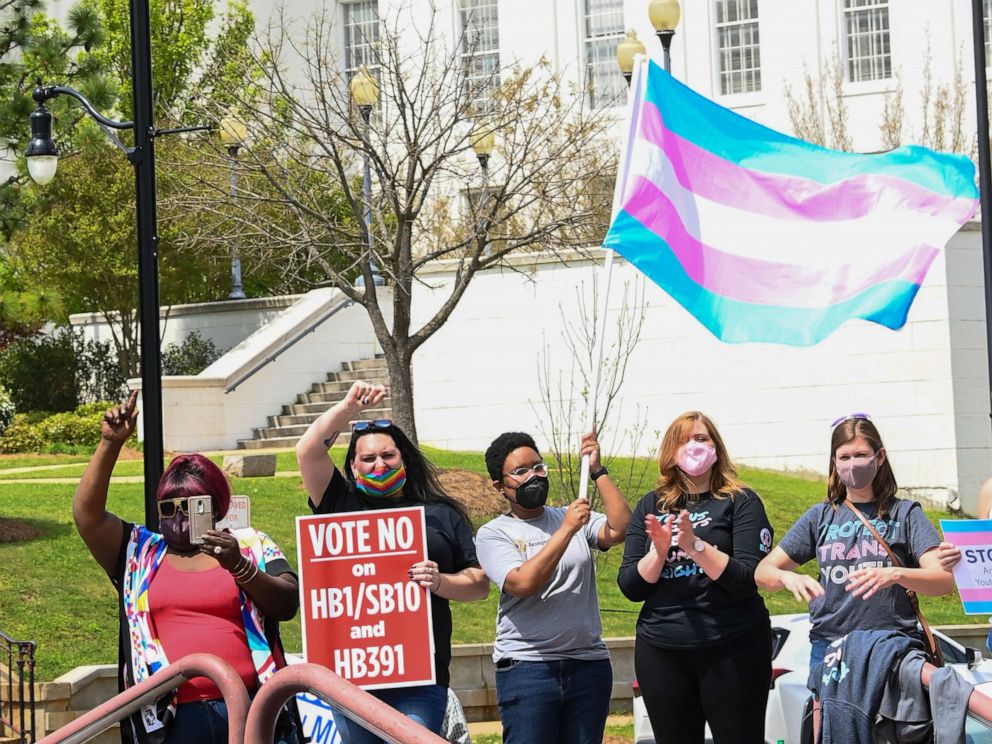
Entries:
{"x":473,"y":490}
{"x":129,"y":453}
{"x":612,"y":739}
{"x":14,"y":531}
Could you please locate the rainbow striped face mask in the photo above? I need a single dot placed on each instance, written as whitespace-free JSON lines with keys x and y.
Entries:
{"x":381,"y":484}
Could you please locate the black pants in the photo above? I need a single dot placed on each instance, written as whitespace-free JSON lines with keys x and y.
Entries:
{"x":725,"y":685}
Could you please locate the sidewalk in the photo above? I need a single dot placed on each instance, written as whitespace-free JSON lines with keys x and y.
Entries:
{"x":480,"y":728}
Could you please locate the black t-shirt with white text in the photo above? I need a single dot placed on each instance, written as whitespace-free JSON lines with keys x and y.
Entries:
{"x":449,"y":544}
{"x":685,"y":608}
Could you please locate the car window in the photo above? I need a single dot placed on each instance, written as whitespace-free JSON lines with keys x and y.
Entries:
{"x":779,"y":635}
{"x":952,"y":654}
{"x":977,"y":731}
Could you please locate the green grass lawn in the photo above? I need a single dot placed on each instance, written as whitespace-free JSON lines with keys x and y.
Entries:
{"x":52,"y":591}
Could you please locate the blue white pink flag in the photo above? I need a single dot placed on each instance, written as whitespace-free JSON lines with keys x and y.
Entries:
{"x":763,"y":237}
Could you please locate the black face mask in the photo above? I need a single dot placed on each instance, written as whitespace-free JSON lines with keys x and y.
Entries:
{"x":533,"y":492}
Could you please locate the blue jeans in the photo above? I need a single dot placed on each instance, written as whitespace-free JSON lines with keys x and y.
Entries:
{"x":205,"y":722}
{"x":564,"y":701}
{"x":988,"y":642}
{"x":424,"y":704}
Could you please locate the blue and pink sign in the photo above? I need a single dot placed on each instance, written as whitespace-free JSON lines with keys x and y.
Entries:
{"x":973,"y":574}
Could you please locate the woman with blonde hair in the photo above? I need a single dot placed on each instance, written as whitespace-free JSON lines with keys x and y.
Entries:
{"x":703,"y":647}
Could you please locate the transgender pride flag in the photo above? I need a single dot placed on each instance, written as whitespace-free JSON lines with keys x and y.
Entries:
{"x":763,"y":237}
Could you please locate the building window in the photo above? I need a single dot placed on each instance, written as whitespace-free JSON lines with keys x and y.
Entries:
{"x":604,"y":31}
{"x":866,"y":28}
{"x":738,"y":45}
{"x":361,"y":34}
{"x":480,"y":49}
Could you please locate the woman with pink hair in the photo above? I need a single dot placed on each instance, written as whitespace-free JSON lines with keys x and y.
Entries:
{"x":222,"y":592}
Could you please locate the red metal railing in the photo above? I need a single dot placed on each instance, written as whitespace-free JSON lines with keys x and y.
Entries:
{"x":360,"y":706}
{"x":162,"y":683}
{"x":979,"y":704}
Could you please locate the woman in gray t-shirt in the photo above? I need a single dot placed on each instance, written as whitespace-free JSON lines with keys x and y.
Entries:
{"x":553,"y":673}
{"x":858,"y":587}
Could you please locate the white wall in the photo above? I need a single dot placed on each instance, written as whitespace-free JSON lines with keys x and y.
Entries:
{"x":774,"y":404}
{"x":225,"y":323}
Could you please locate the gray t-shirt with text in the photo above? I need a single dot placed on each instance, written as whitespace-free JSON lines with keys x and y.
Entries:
{"x":840,"y":543}
{"x":561,"y":621}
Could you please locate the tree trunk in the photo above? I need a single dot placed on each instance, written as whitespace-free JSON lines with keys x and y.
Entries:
{"x":401,"y":389}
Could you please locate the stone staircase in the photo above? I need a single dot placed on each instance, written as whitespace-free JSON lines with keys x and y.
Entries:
{"x":286,"y":428}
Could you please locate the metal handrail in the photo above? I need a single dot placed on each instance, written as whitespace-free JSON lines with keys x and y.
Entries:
{"x":119,"y":707}
{"x":370,"y":712}
{"x":272,"y":357}
{"x":979,"y":704}
{"x":25,"y":658}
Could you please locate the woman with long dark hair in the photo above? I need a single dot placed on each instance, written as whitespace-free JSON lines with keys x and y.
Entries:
{"x":223,"y":592}
{"x":703,"y":644}
{"x":383,"y":469}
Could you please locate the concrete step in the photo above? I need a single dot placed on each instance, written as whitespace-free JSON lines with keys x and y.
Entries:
{"x":366,"y":364}
{"x":376,"y":377}
{"x":290,"y":419}
{"x":284,"y":429}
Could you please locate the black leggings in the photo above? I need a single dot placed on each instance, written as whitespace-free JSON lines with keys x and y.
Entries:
{"x":725,"y":685}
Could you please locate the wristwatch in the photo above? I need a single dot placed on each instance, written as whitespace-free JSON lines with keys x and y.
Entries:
{"x":596,"y":474}
{"x":698,"y":546}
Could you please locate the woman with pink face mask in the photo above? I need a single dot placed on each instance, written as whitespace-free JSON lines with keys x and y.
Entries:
{"x":703,"y":648}
{"x":859,"y":588}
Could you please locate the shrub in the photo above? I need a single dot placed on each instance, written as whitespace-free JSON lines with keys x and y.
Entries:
{"x":56,"y":372}
{"x":191,"y":357}
{"x":60,"y":432}
{"x":40,"y":371}
{"x":71,"y":428}
{"x":21,"y":436}
{"x":6,"y":409}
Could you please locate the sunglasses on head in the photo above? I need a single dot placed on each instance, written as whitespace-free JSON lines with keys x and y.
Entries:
{"x":167,"y":508}
{"x":849,"y":416}
{"x":359,"y":426}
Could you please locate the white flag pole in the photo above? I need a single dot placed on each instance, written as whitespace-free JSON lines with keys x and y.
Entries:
{"x":635,"y":100}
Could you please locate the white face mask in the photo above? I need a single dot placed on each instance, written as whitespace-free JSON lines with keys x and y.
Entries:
{"x":695,"y":458}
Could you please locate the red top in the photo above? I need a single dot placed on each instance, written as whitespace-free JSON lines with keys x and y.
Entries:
{"x":200,"y":612}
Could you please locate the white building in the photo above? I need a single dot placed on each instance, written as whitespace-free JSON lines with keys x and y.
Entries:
{"x":927,"y":385}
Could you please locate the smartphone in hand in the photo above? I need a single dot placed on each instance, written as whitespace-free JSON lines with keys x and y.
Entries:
{"x":201,"y":517}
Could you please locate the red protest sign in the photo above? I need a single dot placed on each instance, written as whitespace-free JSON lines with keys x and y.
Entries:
{"x":363,"y":617}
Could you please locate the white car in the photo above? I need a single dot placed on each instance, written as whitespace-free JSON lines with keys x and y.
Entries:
{"x":788,"y":716}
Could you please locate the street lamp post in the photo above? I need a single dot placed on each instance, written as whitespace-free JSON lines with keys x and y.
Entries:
{"x":627,"y":50}
{"x":42,"y":156}
{"x":664,"y":15}
{"x":483,"y":141}
{"x":365,"y":93}
{"x":233,"y":133}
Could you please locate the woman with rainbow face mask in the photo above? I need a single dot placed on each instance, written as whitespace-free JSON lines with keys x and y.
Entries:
{"x":383,"y":469}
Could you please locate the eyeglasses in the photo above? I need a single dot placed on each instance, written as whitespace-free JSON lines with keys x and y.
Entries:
{"x":842,"y":419}
{"x":537,"y":469}
{"x":167,"y":508}
{"x":359,"y":426}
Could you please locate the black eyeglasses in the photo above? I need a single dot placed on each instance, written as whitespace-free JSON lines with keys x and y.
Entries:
{"x":359,"y":426}
{"x":167,"y":508}
{"x":842,"y":419}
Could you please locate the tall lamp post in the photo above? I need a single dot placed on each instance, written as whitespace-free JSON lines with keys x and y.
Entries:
{"x":627,"y":50}
{"x":233,"y":133}
{"x":42,"y":156}
{"x":483,"y":141}
{"x":365,"y":93}
{"x":664,"y":15}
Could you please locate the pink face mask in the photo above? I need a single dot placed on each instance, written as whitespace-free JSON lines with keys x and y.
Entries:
{"x":695,"y":458}
{"x":857,"y":472}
